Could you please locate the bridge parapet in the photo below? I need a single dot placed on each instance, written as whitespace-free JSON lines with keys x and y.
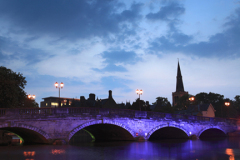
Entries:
{"x":103,"y":112}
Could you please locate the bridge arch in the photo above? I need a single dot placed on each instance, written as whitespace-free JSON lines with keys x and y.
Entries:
{"x":167,"y":125}
{"x":75,"y":130}
{"x":20,"y":129}
{"x":211,"y":127}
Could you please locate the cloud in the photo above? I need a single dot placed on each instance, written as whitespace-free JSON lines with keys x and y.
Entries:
{"x":116,"y":60}
{"x":133,"y":14}
{"x":69,"y":19}
{"x":80,"y":66}
{"x":168,"y":12}
{"x":119,"y":56}
{"x":222,"y":45}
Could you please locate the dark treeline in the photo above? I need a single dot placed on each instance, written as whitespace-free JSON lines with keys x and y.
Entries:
{"x":217,"y":101}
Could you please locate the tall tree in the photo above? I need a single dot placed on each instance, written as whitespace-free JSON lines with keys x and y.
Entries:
{"x":29,"y":103}
{"x":162,"y":105}
{"x":217,"y":100}
{"x":236,"y":102}
{"x":182,"y":103}
{"x":139,"y":104}
{"x":12,"y":94}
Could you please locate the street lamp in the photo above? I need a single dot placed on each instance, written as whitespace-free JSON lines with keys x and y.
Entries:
{"x":139,"y":92}
{"x":191,"y":99}
{"x":60,"y":87}
{"x":31,"y":97}
{"x":227,"y":104}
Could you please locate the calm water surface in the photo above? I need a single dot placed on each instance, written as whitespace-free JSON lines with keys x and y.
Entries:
{"x":224,"y":149}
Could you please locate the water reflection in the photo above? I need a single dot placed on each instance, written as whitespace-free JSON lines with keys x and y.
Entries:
{"x":227,"y":149}
{"x":29,"y":155}
{"x":229,"y":152}
{"x":57,"y":151}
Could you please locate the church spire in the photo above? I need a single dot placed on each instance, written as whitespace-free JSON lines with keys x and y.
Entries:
{"x":179,"y":86}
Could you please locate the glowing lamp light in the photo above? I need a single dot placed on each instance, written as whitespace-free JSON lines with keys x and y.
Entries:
{"x":56,"y":85}
{"x":137,"y":91}
{"x":191,"y":99}
{"x":60,"y":87}
{"x":31,"y":96}
{"x":140,"y":92}
{"x":190,"y":132}
{"x":227,"y":104}
{"x":61,"y":84}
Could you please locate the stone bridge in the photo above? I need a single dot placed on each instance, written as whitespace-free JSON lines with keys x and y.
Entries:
{"x":59,"y":125}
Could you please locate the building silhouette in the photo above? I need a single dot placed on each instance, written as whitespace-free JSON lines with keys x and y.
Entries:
{"x":179,"y":88}
{"x":59,"y":102}
{"x":99,"y":103}
{"x":108,"y":102}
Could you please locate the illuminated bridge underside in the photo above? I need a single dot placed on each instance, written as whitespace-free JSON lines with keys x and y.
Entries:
{"x":59,"y":125}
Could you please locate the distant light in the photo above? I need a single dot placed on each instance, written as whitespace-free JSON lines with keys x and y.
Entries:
{"x":139,"y":92}
{"x":191,"y":99}
{"x":190,"y":132}
{"x":61,"y":84}
{"x":31,"y":96}
{"x":227,"y":104}
{"x":145,"y":134}
{"x":56,"y":84}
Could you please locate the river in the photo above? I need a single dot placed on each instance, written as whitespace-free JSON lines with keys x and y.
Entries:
{"x":215,"y":149}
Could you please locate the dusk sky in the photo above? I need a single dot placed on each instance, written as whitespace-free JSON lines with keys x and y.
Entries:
{"x":93,"y":46}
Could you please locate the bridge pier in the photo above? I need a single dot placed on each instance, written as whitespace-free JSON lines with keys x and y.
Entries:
{"x":193,"y":137}
{"x":58,"y":142}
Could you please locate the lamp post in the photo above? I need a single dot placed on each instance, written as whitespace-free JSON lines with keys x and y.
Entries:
{"x":227,"y":104}
{"x":60,"y":87}
{"x":191,"y":99}
{"x":32,"y":97}
{"x":139,"y":92}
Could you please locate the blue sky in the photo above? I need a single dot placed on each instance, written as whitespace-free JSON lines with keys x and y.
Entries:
{"x":93,"y":46}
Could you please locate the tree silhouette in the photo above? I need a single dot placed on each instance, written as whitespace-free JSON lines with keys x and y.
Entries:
{"x":162,"y":105}
{"x":12,"y":94}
